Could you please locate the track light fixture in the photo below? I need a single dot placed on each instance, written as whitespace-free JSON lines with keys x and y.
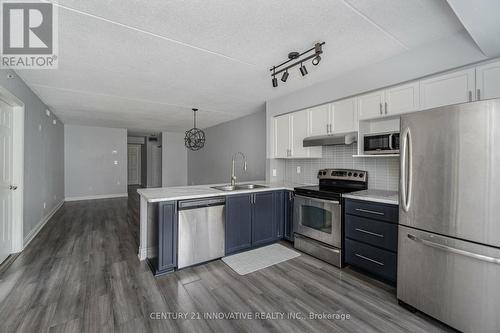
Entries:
{"x":284,"y":77}
{"x":294,"y":60}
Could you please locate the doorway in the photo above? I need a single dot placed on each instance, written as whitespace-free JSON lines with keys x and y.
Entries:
{"x":134,"y":164}
{"x":11,"y":174}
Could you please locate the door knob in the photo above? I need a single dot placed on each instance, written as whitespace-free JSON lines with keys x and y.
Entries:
{"x":12,"y":187}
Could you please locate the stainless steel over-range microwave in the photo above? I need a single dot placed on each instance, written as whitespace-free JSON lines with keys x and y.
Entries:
{"x":381,"y":143}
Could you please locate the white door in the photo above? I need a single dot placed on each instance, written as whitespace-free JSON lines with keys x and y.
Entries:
{"x":344,"y":116}
{"x":371,"y":105}
{"x":5,"y":180}
{"x":402,"y":99}
{"x":281,"y":136}
{"x":448,"y":89}
{"x":134,"y":164}
{"x":488,"y":81}
{"x":319,"y":117}
{"x":299,"y":126}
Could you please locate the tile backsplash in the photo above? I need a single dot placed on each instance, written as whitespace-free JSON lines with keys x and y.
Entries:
{"x":383,"y":172}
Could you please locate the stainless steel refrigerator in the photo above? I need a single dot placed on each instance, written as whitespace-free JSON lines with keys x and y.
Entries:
{"x":449,"y":215}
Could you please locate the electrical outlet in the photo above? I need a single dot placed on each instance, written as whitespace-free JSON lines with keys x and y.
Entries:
{"x":274,"y":172}
{"x":54,"y":122}
{"x":298,"y":169}
{"x":44,"y":205}
{"x":47,"y":112}
{"x":115,"y":162}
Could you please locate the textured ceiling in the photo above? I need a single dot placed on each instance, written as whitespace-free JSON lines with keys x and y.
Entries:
{"x":145,"y":64}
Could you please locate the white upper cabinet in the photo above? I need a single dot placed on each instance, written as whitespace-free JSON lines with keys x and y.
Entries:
{"x":319,"y":118}
{"x":402,"y":99}
{"x":344,"y":116}
{"x":488,"y":81}
{"x":447,"y":89}
{"x":282,"y":136}
{"x":371,"y":105}
{"x":299,"y":124}
{"x":290,"y":130}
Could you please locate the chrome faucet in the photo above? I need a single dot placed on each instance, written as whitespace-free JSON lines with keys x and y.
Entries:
{"x":233,"y":177}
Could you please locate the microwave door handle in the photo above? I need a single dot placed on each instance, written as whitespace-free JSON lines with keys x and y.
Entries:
{"x":390,"y":141}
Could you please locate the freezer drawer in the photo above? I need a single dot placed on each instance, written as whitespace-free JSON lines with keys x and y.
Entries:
{"x":451,"y":280}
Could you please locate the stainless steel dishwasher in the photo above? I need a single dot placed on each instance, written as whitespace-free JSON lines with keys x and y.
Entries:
{"x":201,"y":232}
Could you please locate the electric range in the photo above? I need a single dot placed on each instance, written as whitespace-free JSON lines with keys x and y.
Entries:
{"x":318,"y":213}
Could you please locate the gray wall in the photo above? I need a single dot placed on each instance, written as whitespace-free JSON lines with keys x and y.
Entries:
{"x":174,"y":160}
{"x":89,"y":161}
{"x":212,"y":164}
{"x":43,"y":154}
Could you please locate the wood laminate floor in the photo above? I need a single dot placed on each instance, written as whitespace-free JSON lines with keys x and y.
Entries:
{"x":81,"y":273}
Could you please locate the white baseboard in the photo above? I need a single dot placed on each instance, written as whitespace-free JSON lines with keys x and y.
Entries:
{"x":149,"y":252}
{"x":97,"y":197}
{"x":29,"y":237}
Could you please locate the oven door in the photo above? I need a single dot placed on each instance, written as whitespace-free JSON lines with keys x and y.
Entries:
{"x":318,"y":219}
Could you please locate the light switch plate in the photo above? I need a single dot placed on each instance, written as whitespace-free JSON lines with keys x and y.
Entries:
{"x":298,"y":169}
{"x":274,"y":172}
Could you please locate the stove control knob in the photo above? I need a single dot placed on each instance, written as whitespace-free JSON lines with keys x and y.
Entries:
{"x":355,"y":174}
{"x":349,"y":174}
{"x":324,"y":173}
{"x":360,"y":175}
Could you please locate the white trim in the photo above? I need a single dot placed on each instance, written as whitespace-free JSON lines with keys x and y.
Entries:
{"x":97,"y":197}
{"x":17,"y":168}
{"x":149,"y":252}
{"x":29,"y":237}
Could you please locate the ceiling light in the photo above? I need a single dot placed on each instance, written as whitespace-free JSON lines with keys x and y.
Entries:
{"x":284,"y":77}
{"x":195,"y":137}
{"x":316,"y":60}
{"x":296,"y":59}
{"x":303,"y":70}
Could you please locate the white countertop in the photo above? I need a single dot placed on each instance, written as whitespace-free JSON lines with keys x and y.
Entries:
{"x":382,"y":196}
{"x":204,"y":191}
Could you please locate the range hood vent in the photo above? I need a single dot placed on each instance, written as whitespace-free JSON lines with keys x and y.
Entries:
{"x":331,"y":139}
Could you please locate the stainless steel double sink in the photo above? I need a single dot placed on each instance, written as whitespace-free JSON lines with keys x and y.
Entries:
{"x":239,"y":187}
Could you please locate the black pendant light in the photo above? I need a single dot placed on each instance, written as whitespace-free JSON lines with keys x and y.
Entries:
{"x":195,"y":137}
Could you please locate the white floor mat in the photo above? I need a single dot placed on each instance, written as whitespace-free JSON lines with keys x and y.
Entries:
{"x":254,"y":260}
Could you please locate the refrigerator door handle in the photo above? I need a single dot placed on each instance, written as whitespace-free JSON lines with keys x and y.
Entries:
{"x":406,"y":170}
{"x":455,"y":250}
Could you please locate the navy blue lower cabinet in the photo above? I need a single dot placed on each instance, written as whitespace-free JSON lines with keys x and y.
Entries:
{"x":167,"y":237}
{"x":371,"y":238}
{"x":279,"y":211}
{"x":288,"y":218}
{"x":264,"y":226}
{"x":238,"y":223}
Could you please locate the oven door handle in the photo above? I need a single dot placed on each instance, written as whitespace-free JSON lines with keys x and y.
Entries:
{"x":316,"y":199}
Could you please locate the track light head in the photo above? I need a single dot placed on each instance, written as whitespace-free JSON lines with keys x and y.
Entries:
{"x":284,"y":77}
{"x":303,"y":70}
{"x":316,"y":60}
{"x":275,"y":82}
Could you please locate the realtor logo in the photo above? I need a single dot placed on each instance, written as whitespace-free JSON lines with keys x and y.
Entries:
{"x":29,"y":36}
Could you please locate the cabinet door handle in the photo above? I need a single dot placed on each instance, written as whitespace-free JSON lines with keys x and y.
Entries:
{"x":381,"y":109}
{"x":369,"y":232}
{"x":369,"y":259}
{"x":478,"y":93}
{"x":385,"y":107}
{"x":369,"y":211}
{"x":470,"y":95}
